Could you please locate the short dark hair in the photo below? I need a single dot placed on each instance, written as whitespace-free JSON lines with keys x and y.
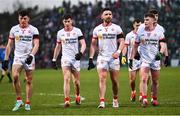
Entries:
{"x":153,"y":11}
{"x":67,"y":16}
{"x":137,"y":21}
{"x":149,"y":15}
{"x":24,"y":13}
{"x":104,"y":9}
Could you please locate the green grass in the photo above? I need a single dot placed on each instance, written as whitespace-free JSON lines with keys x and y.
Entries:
{"x":48,"y":97}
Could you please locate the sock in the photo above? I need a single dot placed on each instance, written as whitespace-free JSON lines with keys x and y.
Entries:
{"x":66,"y":99}
{"x":102,"y":100}
{"x":140,"y":94}
{"x":115,"y":97}
{"x":154,"y":98}
{"x":144,"y":97}
{"x":19,"y":98}
{"x":28,"y":102}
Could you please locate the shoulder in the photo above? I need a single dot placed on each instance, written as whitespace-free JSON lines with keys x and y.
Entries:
{"x":76,"y":29}
{"x":15,"y":27}
{"x":160,"y":28}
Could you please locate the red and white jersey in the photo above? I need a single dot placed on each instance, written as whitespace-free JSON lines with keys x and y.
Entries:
{"x":149,"y":44}
{"x":69,"y":41}
{"x":129,"y":41}
{"x":157,"y":27}
{"x":107,"y":38}
{"x":23,"y":39}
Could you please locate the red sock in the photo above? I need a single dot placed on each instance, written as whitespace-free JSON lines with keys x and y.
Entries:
{"x":66,"y":99}
{"x":154,"y":98}
{"x":19,"y":98}
{"x":140,"y":94}
{"x":102,"y":100}
{"x":144,"y":97}
{"x":115,"y":97}
{"x":28,"y":102}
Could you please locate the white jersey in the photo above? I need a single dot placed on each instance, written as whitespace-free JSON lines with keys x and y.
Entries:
{"x":107,"y":38}
{"x":23,"y":39}
{"x":130,"y":40}
{"x":149,"y":44}
{"x":69,"y":41}
{"x":157,"y":27}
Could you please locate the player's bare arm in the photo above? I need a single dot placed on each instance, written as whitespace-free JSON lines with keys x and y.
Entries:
{"x":83,"y":45}
{"x":35,"y":46}
{"x":57,"y":50}
{"x":8,"y":49}
{"x":93,"y":47}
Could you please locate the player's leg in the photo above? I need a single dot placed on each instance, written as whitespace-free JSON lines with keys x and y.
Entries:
{"x":132,"y":79}
{"x":102,"y":73}
{"x":16,"y":69}
{"x":144,"y":78}
{"x":155,"y":83}
{"x":2,"y":74}
{"x":67,"y":77}
{"x":29,"y":76}
{"x":115,"y":86}
{"x":76,"y":81}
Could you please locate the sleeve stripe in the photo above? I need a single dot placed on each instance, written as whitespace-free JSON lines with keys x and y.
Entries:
{"x":58,"y":42}
{"x":80,"y":37}
{"x":137,"y":42}
{"x":11,"y":38}
{"x":94,"y":37}
{"x":162,"y":40}
{"x":35,"y":36}
{"x":121,"y":35}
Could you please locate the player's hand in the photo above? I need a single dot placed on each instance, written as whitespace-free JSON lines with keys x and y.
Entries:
{"x":29,"y":59}
{"x":137,"y":56}
{"x":54,"y":65}
{"x":91,"y":64}
{"x":5,"y":65}
{"x":78,"y":56}
{"x":158,"y":56}
{"x":166,"y":61}
{"x":130,"y":63}
{"x":123,"y":60}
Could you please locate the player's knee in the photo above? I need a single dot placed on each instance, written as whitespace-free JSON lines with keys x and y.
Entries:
{"x":15,"y":77}
{"x":144,"y":79}
{"x":28,"y":81}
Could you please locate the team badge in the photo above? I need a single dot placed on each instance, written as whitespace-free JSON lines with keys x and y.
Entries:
{"x":132,"y":40}
{"x":17,"y":38}
{"x":100,"y":35}
{"x":63,"y":39}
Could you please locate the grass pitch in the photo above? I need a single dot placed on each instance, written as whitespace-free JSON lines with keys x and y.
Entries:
{"x":48,"y":97}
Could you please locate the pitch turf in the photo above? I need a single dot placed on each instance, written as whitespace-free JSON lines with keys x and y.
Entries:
{"x":48,"y":97}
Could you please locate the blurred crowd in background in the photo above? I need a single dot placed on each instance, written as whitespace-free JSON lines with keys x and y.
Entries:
{"x":87,"y":16}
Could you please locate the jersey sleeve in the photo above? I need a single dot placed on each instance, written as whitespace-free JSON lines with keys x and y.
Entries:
{"x":127,"y":40}
{"x":35,"y":33}
{"x":161,"y":37}
{"x":119,"y":30}
{"x":95,"y":35}
{"x":11,"y":34}
{"x":58,"y":37}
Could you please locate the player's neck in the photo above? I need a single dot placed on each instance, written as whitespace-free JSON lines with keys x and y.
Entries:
{"x":68,"y":28}
{"x":150,"y":28}
{"x":105,"y":24}
{"x":23,"y":26}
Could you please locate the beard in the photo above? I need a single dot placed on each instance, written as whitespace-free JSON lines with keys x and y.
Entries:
{"x":108,"y":20}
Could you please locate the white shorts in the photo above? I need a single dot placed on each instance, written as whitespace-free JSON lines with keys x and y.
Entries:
{"x":136,"y":65}
{"x":73,"y":64}
{"x":107,"y":63}
{"x":21,"y":61}
{"x":154,"y":65}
